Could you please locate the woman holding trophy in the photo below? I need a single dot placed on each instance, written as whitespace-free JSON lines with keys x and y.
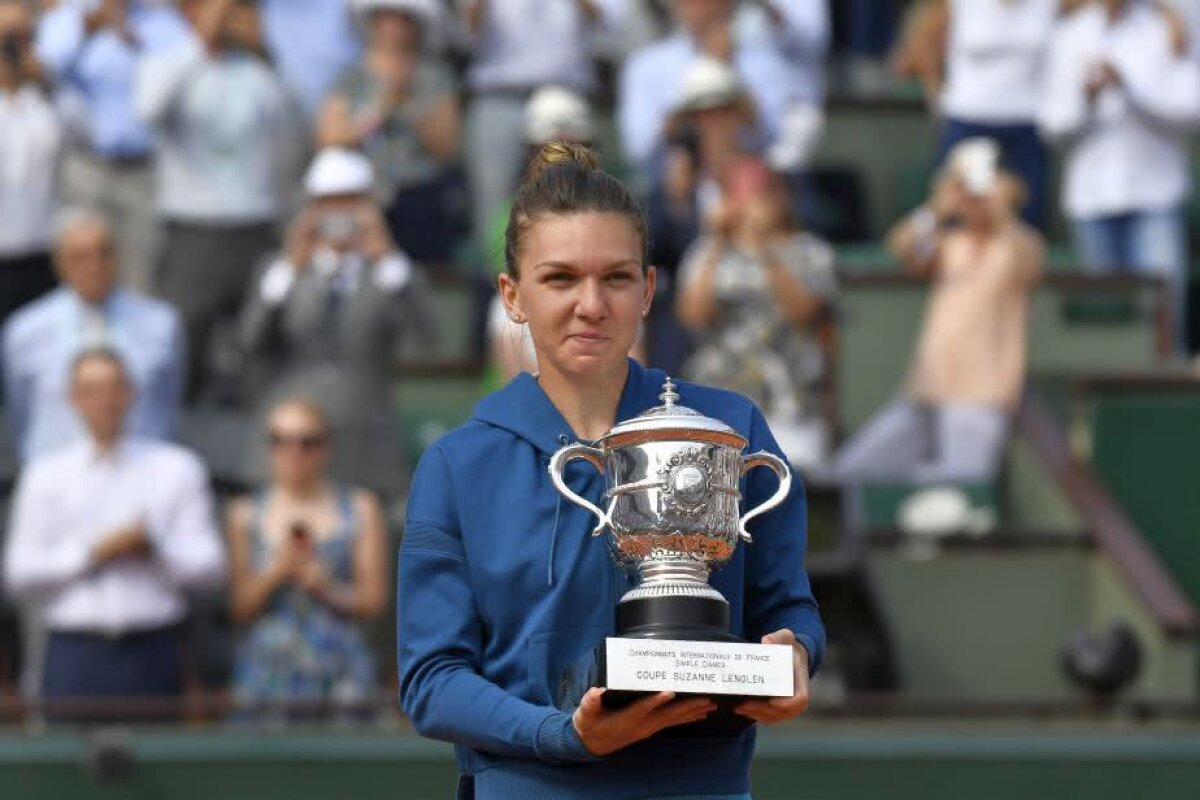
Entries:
{"x":501,"y":587}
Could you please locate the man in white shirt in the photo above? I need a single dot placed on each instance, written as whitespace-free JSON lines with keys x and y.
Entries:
{"x":1121,"y":96}
{"x":107,"y":535}
{"x":41,"y":339}
{"x":30,"y":142}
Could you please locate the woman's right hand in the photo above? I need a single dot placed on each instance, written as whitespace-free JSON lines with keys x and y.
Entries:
{"x":302,"y":239}
{"x":603,"y":731}
{"x":289,"y":557}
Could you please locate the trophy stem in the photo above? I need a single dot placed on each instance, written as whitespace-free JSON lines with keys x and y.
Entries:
{"x":658,"y":573}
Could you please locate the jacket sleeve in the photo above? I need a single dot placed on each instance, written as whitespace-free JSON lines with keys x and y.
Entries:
{"x":441,"y":640}
{"x":778,"y":594}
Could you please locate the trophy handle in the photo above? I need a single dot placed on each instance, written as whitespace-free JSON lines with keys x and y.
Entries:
{"x":558,"y":462}
{"x":777,"y":465}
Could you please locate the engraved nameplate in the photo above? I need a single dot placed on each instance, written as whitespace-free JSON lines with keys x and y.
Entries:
{"x":666,"y":665}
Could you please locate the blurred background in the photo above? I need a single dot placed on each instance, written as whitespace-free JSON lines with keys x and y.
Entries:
{"x":248,"y":252}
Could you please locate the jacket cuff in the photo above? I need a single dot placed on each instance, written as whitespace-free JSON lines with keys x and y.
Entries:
{"x":558,"y":741}
{"x":815,"y":653}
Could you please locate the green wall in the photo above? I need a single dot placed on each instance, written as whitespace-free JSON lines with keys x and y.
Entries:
{"x":821,"y":760}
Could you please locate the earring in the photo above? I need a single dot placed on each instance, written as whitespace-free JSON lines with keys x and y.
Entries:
{"x":517,"y":318}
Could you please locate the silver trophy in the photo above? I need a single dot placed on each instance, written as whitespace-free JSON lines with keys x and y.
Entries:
{"x":671,"y":511}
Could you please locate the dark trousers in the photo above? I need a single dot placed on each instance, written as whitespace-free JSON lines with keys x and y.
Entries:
{"x":427,"y":220}
{"x":1022,"y":153}
{"x":84,"y":669}
{"x":23,"y":279}
{"x":205,"y":272}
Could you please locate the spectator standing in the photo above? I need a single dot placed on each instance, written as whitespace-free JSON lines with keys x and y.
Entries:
{"x":651,"y":81}
{"x":753,"y":288}
{"x":982,"y":63}
{"x":109,"y":533}
{"x":400,"y":107}
{"x":92,"y":51}
{"x":30,"y":145}
{"x":799,"y":31}
{"x":518,"y":46}
{"x":331,"y":315}
{"x":1121,"y":96}
{"x":709,"y":124}
{"x":42,"y":339}
{"x":950,"y":422}
{"x":308,"y":568}
{"x":218,"y":109}
{"x":311,"y":42}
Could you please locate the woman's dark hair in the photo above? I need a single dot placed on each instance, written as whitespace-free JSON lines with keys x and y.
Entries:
{"x":566,"y":178}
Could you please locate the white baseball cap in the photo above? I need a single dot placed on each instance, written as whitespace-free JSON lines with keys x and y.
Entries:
{"x":709,"y":83}
{"x":554,"y":112}
{"x":336,"y":170}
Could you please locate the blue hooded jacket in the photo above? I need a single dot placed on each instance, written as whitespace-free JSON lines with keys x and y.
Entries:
{"x":501,"y":587}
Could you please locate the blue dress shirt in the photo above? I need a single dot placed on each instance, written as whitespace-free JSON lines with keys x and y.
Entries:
{"x":312,"y":42}
{"x":41,"y":340}
{"x":652,"y":84}
{"x":99,"y":69}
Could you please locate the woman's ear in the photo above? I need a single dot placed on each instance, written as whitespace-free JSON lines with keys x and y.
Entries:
{"x":507,"y":286}
{"x":651,"y":283}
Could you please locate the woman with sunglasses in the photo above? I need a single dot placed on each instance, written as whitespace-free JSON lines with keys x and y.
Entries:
{"x":307,"y":570}
{"x":501,"y":587}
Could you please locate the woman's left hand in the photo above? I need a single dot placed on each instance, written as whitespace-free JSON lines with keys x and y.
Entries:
{"x":375,"y":238}
{"x":313,"y":578}
{"x":781,"y":709}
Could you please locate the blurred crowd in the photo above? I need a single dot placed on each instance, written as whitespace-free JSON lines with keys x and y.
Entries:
{"x":248,"y":205}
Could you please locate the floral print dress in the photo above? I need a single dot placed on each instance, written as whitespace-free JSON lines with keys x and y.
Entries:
{"x":301,"y":650}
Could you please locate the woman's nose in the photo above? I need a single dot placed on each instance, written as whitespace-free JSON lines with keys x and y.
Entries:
{"x":591,"y":303}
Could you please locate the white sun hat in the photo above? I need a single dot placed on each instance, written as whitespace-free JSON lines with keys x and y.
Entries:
{"x":336,"y":170}
{"x":555,"y":112}
{"x":709,"y":83}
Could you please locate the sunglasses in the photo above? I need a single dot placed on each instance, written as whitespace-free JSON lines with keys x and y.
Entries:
{"x":305,"y":442}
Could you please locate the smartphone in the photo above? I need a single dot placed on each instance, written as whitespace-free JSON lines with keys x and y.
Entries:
{"x":301,"y":535}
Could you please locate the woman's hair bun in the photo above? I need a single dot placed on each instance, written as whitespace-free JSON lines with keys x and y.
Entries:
{"x":558,"y":152}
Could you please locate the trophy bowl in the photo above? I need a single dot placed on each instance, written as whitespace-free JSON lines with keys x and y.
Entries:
{"x":672,"y":496}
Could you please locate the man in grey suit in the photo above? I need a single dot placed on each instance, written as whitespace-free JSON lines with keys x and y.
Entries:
{"x":328,"y":317}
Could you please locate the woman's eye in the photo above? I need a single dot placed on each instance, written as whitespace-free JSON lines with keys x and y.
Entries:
{"x":558,"y":277}
{"x":620,"y":277}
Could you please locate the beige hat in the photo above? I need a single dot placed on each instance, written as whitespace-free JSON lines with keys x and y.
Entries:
{"x":554,"y":112}
{"x":336,"y":170}
{"x":709,"y":83}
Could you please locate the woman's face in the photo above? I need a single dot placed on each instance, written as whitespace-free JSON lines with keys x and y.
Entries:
{"x":582,"y":290}
{"x":299,"y":444}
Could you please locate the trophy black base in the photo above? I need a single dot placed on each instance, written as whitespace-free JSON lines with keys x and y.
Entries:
{"x":678,"y":618}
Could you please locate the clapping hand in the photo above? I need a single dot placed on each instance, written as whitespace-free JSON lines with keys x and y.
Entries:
{"x":129,"y":541}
